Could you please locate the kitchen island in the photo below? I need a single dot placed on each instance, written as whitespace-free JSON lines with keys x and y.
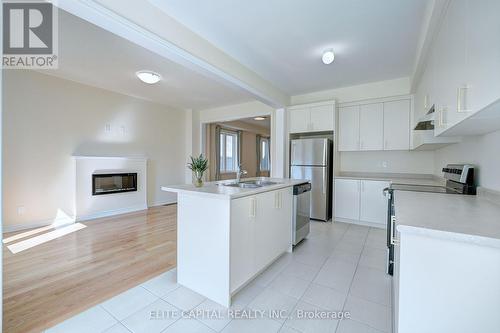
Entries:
{"x":227,"y":234}
{"x":446,"y":262}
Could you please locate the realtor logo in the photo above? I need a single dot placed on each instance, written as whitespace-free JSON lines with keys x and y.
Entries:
{"x":29,"y":35}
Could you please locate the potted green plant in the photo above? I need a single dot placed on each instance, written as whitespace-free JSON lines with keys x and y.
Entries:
{"x":198,"y":165}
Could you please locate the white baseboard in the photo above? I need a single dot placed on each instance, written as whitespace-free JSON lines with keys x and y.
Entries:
{"x":358,"y":222}
{"x":39,"y":224}
{"x":109,"y":213}
{"x":162,"y":203}
{"x":67,"y":221}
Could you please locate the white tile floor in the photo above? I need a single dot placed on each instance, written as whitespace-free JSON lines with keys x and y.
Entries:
{"x":340,"y":267}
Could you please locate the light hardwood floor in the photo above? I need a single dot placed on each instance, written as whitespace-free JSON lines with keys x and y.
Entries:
{"x":51,"y":282}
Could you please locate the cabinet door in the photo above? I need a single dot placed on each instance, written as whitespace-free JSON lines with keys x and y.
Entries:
{"x":349,"y":128}
{"x":266,"y":229}
{"x":371,"y":126}
{"x":373,"y":207}
{"x":284,"y":220}
{"x":243,"y":212}
{"x":452,"y":61}
{"x":395,"y":286}
{"x":322,"y":118}
{"x":347,"y":198}
{"x":299,"y":120}
{"x":397,"y":125}
{"x":483,"y":54}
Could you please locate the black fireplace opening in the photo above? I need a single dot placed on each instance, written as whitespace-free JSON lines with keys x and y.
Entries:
{"x":113,"y":183}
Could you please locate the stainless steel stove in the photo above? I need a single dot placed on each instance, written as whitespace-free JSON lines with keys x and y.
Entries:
{"x":459,"y":180}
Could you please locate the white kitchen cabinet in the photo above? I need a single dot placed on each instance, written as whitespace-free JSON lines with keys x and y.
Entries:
{"x":265,"y":229}
{"x":383,"y":125}
{"x":316,"y":117}
{"x":349,"y":128}
{"x":260,"y":232}
{"x":347,"y":198}
{"x":371,"y":126}
{"x":373,"y":203}
{"x":461,"y":74}
{"x":483,"y":54}
{"x":243,"y":254}
{"x":397,"y":125}
{"x":322,"y":118}
{"x":361,"y":201}
{"x":299,"y":120}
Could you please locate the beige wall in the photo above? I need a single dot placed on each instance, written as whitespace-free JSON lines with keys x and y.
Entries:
{"x":47,"y":120}
{"x":248,"y":147}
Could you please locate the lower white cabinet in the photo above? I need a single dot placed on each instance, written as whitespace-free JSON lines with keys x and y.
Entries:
{"x":260,"y":232}
{"x":373,"y":203}
{"x":361,"y":201}
{"x":347,"y":198}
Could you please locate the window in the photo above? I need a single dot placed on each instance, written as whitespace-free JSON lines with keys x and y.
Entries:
{"x":264,"y":154}
{"x":228,"y":151}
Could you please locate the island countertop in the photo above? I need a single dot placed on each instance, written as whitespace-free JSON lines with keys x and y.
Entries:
{"x":467,"y":218}
{"x":218,"y":190}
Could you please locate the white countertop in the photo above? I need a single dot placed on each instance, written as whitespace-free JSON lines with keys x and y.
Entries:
{"x":215,"y":189}
{"x":395,"y":178}
{"x":467,"y":218}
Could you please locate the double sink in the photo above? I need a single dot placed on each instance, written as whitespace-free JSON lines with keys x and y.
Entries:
{"x":250,"y":184}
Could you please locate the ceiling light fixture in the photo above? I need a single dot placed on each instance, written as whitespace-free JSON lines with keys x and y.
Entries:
{"x":259,"y":118}
{"x":328,"y":57}
{"x":148,"y":77}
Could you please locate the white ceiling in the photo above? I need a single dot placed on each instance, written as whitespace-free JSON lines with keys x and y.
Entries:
{"x":96,"y":57}
{"x":259,"y":123}
{"x":282,"y":40}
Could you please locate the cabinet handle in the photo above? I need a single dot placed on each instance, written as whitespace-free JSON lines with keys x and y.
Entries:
{"x":361,"y":145}
{"x":385,"y":144}
{"x":441,"y":116}
{"x":461,"y":99}
{"x":253,"y":207}
{"x":394,"y":240}
{"x":362,"y":186}
{"x":280,"y":201}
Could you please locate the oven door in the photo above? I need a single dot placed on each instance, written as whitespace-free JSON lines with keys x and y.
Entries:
{"x":388,"y":192}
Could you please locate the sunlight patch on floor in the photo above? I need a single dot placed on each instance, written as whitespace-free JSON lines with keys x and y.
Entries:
{"x":40,"y":239}
{"x":27,"y":234}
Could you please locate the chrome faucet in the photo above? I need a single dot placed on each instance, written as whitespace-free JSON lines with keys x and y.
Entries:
{"x":239,"y":173}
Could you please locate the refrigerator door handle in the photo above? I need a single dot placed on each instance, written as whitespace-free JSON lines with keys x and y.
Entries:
{"x":324,"y":182}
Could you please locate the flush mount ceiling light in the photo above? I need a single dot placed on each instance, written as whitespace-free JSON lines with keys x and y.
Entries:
{"x":148,"y":77}
{"x":328,"y":57}
{"x":259,"y":118}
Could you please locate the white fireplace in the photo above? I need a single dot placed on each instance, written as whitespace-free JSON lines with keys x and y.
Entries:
{"x":108,"y":186}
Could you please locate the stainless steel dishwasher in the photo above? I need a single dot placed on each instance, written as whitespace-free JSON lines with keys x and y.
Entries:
{"x":301,"y":211}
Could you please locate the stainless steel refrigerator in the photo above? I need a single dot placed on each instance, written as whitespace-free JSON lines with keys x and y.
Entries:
{"x":311,"y":158}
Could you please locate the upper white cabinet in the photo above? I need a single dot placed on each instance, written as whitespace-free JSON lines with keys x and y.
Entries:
{"x":371,"y":126}
{"x":383,"y":125}
{"x":397,"y":125}
{"x":317,"y":117}
{"x":299,"y":120}
{"x":461,"y":74}
{"x":349,"y":119}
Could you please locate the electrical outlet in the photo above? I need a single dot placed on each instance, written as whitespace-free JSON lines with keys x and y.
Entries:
{"x":21,"y":210}
{"x":384,"y":164}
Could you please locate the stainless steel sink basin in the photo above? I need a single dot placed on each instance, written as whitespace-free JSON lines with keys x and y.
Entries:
{"x":250,"y":184}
